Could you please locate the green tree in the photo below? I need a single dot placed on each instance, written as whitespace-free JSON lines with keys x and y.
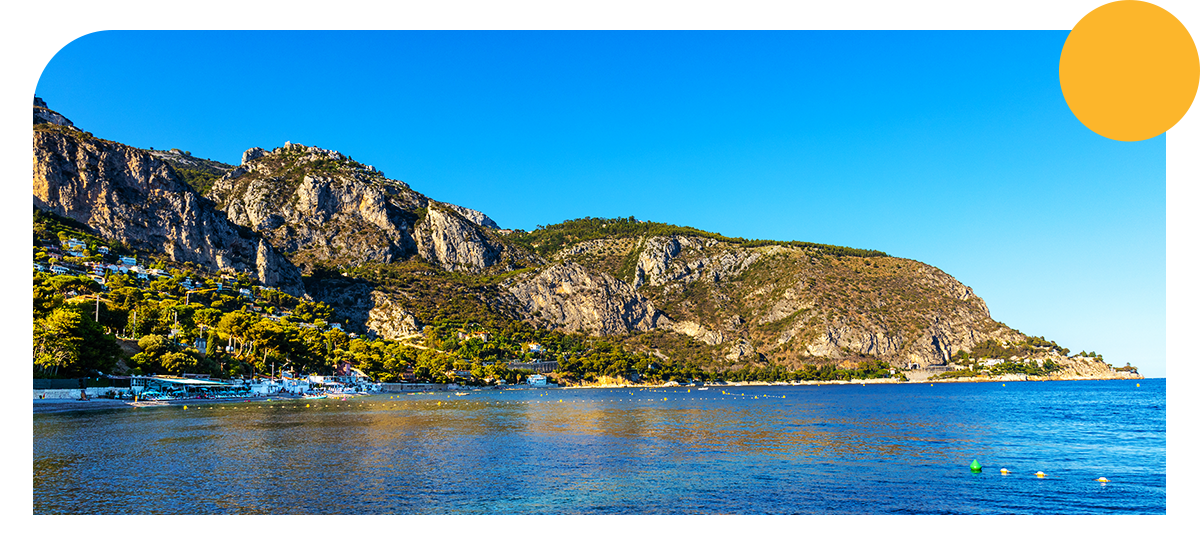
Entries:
{"x":310,"y":312}
{"x":67,"y":343}
{"x":178,"y":363}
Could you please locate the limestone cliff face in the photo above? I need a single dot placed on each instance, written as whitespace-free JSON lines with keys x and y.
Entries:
{"x":660,"y":262}
{"x":476,"y":217}
{"x":43,"y":115}
{"x":448,"y":239}
{"x":570,"y":297}
{"x":130,"y":196}
{"x":789,"y":305}
{"x":389,"y":319}
{"x":321,"y":207}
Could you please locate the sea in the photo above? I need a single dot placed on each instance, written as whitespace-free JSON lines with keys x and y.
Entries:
{"x":832,"y":449}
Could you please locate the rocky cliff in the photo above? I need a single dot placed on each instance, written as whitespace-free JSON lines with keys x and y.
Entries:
{"x":391,"y":260}
{"x":787,"y":304}
{"x":130,"y":196}
{"x":567,"y":296}
{"x":323,"y":208}
{"x":44,"y":115}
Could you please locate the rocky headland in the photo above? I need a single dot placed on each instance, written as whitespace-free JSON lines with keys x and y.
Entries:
{"x":314,"y":222}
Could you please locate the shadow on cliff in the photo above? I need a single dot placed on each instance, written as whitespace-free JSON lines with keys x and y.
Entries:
{"x":349,"y":296}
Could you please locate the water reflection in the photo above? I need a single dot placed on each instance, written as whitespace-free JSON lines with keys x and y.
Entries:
{"x":829,"y":449}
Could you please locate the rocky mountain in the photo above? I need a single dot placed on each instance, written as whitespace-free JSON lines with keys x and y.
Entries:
{"x":570,"y":297}
{"x":323,"y":208}
{"x":197,"y":172}
{"x":785,"y":303}
{"x":391,"y":260}
{"x":128,"y":195}
{"x":44,"y":115}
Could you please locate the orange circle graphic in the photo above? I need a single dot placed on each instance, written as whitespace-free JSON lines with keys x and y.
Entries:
{"x":1129,"y":70}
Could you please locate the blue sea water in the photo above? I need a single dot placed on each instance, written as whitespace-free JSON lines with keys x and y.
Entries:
{"x":829,"y":449}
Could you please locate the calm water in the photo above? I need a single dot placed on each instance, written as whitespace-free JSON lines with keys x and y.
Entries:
{"x":832,"y":449}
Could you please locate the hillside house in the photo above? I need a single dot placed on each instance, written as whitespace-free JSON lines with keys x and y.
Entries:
{"x":129,"y":260}
{"x":474,"y":335}
{"x":59,"y":269}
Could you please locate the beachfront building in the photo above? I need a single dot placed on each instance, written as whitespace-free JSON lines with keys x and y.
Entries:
{"x":537,"y":367}
{"x":537,"y":380}
{"x":165,"y":386}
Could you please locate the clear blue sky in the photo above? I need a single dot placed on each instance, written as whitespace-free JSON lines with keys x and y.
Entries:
{"x":952,"y":148}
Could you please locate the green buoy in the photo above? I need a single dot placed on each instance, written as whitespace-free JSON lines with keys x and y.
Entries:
{"x":975,"y":466}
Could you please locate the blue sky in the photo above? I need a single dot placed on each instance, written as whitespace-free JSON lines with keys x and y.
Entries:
{"x":954,"y":148}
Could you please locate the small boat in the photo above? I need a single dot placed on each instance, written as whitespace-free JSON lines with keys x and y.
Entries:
{"x":461,"y":393}
{"x":702,"y":388}
{"x":314,"y":396}
{"x":147,"y":403}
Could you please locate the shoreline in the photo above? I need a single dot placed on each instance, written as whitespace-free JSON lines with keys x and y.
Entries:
{"x":52,"y":405}
{"x":61,"y":405}
{"x":888,"y":381}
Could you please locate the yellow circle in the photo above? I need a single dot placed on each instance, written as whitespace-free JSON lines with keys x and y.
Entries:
{"x":1129,"y":70}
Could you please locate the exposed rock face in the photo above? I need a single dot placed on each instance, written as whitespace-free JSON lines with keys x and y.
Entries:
{"x":1080,"y":367}
{"x":252,"y":153}
{"x":474,"y":216}
{"x":323,"y":208}
{"x":660,"y":261}
{"x":569,"y":297}
{"x":791,"y":306}
{"x":43,"y":114}
{"x":449,"y":240}
{"x":130,"y":196}
{"x":698,"y":332}
{"x":389,"y":320}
